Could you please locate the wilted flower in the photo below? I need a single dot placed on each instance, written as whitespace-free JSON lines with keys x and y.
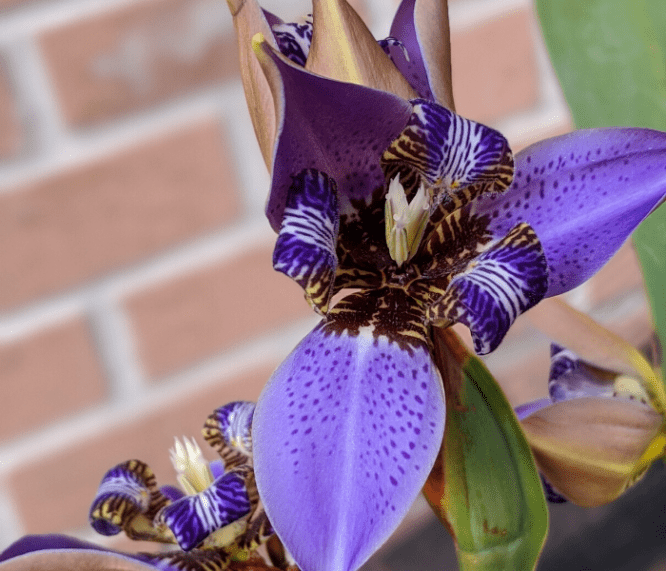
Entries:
{"x":378,"y":185}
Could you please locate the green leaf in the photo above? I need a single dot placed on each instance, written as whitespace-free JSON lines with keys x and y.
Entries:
{"x":610,"y":57}
{"x":485,"y":486}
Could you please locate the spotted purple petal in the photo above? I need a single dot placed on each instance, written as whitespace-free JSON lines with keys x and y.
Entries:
{"x":193,"y":518}
{"x":345,"y":434}
{"x":337,"y":128}
{"x":459,"y":157}
{"x":127,"y":500}
{"x":503,"y":282}
{"x":583,"y":193}
{"x":306,"y":246}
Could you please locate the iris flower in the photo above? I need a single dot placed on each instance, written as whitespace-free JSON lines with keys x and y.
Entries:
{"x":379,"y":186}
{"x":603,"y":423}
{"x":215,"y":518}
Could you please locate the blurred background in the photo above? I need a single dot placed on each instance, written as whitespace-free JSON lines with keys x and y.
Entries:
{"x":136,"y":288}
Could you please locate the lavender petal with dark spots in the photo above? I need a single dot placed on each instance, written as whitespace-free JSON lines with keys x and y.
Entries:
{"x":345,"y":434}
{"x":583,"y":193}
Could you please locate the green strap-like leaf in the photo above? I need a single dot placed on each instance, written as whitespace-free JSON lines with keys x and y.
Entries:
{"x":484,"y":486}
{"x":610,"y":57}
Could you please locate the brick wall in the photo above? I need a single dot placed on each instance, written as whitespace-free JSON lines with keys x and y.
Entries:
{"x":137,"y":292}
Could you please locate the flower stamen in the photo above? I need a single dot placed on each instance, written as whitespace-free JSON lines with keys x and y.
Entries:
{"x":405,"y":222}
{"x":194,"y":475}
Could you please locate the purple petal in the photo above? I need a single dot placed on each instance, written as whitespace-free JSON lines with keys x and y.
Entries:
{"x":193,"y":518}
{"x":583,"y":193}
{"x":459,"y":157}
{"x":413,"y":68}
{"x":345,"y":434}
{"x":503,"y":282}
{"x":55,"y":544}
{"x":337,"y":128}
{"x":528,"y":409}
{"x":571,"y":378}
{"x":306,"y":246}
{"x":171,"y":492}
{"x":552,"y":495}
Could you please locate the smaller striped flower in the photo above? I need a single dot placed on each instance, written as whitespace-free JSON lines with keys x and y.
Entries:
{"x":215,"y":517}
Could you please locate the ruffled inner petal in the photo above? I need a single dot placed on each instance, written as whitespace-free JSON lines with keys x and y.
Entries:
{"x":345,"y":434}
{"x":128,"y":500}
{"x":583,"y":193}
{"x":306,"y":246}
{"x":228,"y":431}
{"x":504,"y":281}
{"x":193,"y":518}
{"x":458,"y":158}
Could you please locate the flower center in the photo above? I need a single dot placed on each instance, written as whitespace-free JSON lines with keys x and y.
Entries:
{"x":194,"y":475}
{"x":405,"y":222}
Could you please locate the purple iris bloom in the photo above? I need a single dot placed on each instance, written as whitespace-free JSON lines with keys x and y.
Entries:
{"x":423,"y":213}
{"x":378,"y":186}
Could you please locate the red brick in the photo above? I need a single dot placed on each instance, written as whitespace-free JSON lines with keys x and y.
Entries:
{"x":494,"y":70}
{"x":55,"y":494}
{"x":620,"y":276}
{"x":135,"y":57}
{"x":46,"y":377}
{"x":81,"y":224}
{"x":203,"y":313}
{"x":11,"y":136}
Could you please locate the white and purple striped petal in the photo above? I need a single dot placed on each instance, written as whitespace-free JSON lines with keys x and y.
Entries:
{"x":294,"y":38}
{"x":458,"y":157}
{"x":228,"y":431}
{"x":503,"y":282}
{"x":306,"y":246}
{"x":345,"y":434}
{"x":193,"y":518}
{"x":583,"y":193}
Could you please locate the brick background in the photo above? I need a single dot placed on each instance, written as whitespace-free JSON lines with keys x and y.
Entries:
{"x":82,"y":223}
{"x":137,"y":292}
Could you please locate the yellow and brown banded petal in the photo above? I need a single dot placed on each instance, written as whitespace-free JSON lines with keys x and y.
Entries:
{"x":128,"y":500}
{"x":592,"y":449}
{"x":456,"y":158}
{"x":249,"y":20}
{"x":344,"y":49}
{"x":306,"y":246}
{"x":422,"y":26}
{"x":506,"y":280}
{"x":228,"y":431}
